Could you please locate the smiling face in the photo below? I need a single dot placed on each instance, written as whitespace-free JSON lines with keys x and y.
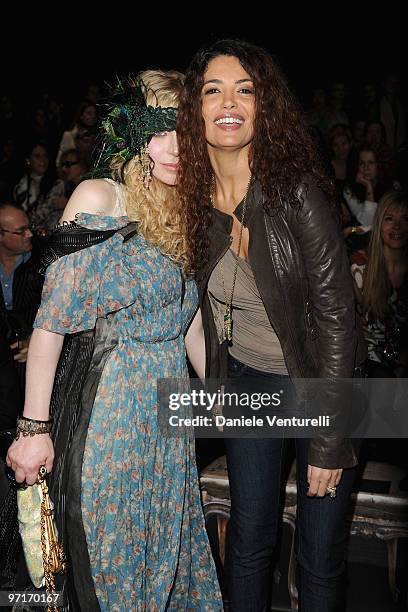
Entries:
{"x":394,"y":227}
{"x":163,"y":151}
{"x":228,"y":104}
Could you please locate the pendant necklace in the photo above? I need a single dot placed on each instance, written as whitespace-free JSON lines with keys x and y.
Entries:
{"x":227,"y":329}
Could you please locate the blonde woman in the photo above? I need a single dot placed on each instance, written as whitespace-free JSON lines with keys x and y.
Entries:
{"x":132,"y":518}
{"x":382,"y":288}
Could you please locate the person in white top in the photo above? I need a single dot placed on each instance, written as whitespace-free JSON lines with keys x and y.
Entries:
{"x":365,"y":185}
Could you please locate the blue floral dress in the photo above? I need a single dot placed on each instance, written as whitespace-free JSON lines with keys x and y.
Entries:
{"x":140,"y":500}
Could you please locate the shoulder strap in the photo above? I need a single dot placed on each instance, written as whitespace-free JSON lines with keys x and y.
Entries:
{"x":70,"y":237}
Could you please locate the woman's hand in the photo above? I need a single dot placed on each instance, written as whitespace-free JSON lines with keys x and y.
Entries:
{"x":367,"y":184}
{"x":362,"y":181}
{"x":320,"y":478}
{"x":27,"y":454}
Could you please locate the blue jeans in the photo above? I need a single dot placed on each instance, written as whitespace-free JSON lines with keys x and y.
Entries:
{"x":254,"y":469}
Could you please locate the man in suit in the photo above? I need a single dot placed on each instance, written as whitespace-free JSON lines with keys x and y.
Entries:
{"x":20,"y":287}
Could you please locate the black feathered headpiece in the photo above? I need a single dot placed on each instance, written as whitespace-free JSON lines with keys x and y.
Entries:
{"x":130,"y":123}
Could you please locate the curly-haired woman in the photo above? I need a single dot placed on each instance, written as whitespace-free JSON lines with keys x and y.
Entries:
{"x":276,"y":300}
{"x":132,"y":520}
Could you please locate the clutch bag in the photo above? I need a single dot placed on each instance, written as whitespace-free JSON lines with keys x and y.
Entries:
{"x":43,"y":553}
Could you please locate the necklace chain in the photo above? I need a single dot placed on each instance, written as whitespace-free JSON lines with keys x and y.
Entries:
{"x":228,"y":302}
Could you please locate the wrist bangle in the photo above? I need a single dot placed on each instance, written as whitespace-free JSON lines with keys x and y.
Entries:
{"x":353,"y":230}
{"x":31,"y":427}
{"x":29,"y":420}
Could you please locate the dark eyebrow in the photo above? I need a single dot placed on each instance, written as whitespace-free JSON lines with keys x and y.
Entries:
{"x":220,"y":81}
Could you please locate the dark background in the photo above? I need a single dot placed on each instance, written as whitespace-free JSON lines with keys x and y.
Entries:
{"x":61,"y":53}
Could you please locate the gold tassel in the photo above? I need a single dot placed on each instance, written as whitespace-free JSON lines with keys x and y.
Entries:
{"x":54,"y":557}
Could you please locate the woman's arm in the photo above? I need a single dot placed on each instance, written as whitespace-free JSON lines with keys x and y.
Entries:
{"x":332,"y":311}
{"x":369,"y":187}
{"x":43,"y":354}
{"x":27,"y":454}
{"x":195,"y":345}
{"x":357,"y":274}
{"x":323,"y":252}
{"x":363,"y":211}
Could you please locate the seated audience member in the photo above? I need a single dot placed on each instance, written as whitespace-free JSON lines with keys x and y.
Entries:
{"x":381,"y":287}
{"x":365,"y":184}
{"x":49,"y":212}
{"x":34,"y":186}
{"x":20,"y":285}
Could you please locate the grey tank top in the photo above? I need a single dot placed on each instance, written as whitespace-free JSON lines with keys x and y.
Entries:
{"x":254,"y":341}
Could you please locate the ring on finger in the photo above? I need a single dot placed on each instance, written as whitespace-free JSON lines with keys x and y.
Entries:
{"x":332,"y":491}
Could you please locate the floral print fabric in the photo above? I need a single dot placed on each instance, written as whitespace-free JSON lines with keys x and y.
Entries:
{"x":141,"y":504}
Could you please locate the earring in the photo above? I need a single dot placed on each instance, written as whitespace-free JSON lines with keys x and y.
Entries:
{"x":145,"y":161}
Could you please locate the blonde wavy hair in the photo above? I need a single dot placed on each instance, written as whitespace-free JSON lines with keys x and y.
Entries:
{"x":156,"y":209}
{"x":376,"y":283}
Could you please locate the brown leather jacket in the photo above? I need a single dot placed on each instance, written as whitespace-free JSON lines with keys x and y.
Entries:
{"x":303,"y":276}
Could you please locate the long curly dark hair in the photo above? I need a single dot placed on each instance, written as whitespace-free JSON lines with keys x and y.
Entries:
{"x":282,"y":151}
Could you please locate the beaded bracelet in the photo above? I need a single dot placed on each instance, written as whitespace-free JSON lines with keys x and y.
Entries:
{"x":30,"y":427}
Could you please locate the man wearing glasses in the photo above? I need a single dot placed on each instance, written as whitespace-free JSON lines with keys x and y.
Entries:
{"x":20,"y":285}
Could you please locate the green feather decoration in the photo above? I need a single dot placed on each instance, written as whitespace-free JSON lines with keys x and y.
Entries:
{"x":129,"y":124}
